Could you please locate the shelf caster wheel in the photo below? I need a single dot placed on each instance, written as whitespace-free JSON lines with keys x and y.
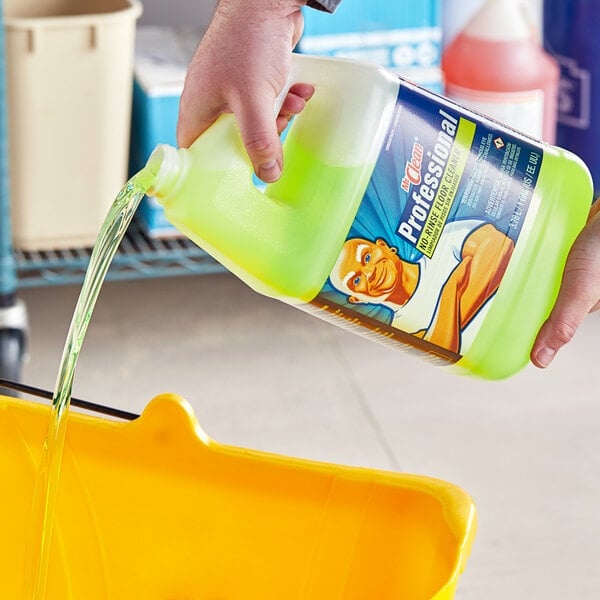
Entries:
{"x":13,"y":343}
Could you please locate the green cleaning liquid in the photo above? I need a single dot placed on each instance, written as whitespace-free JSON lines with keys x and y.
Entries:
{"x":48,"y":474}
{"x":400,"y":215}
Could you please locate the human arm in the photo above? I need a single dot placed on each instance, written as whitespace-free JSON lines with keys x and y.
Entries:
{"x":579,"y":293}
{"x":240,"y":66}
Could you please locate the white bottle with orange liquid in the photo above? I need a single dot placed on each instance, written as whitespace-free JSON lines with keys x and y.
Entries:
{"x":496,"y":65}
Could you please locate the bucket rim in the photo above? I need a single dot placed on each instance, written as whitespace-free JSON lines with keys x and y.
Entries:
{"x":132,"y":11}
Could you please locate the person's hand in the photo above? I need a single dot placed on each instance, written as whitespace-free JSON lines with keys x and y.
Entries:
{"x":579,"y":293}
{"x":241,"y":66}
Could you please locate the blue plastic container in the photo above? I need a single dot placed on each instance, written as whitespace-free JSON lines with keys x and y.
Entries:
{"x":571,"y":36}
{"x":403,"y":36}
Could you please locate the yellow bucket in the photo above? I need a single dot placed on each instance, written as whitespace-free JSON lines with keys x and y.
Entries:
{"x":153,"y":509}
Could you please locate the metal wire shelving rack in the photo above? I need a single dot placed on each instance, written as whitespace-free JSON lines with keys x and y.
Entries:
{"x":138,"y":257}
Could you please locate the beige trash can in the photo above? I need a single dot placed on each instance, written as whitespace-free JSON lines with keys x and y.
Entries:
{"x":69,"y":80}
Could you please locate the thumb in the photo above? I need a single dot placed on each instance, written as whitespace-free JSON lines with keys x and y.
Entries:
{"x":579,"y":293}
{"x":258,"y":128}
{"x":569,"y":311}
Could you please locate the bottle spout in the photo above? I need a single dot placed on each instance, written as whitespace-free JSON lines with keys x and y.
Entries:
{"x":164,"y":165}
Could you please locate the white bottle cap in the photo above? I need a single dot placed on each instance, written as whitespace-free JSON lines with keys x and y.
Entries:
{"x":501,"y":21}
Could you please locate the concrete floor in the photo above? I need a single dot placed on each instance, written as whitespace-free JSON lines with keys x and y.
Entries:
{"x":262,"y":375}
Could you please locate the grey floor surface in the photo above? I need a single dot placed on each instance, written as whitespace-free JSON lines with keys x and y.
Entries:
{"x":263,"y":375}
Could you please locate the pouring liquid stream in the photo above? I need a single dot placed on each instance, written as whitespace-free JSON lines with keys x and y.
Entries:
{"x":47,"y":480}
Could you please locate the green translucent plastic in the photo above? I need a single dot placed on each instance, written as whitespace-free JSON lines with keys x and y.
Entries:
{"x":530,"y":286}
{"x":282,"y":242}
{"x":285,"y":241}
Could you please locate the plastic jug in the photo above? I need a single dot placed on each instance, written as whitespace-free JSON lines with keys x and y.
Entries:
{"x":398,"y":214}
{"x":496,"y":65}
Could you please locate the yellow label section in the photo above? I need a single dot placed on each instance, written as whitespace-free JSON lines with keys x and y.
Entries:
{"x":444,"y":198}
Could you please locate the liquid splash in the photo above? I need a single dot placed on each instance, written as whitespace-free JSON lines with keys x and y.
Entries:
{"x":46,"y":484}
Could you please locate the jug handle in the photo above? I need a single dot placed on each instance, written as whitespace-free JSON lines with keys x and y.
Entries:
{"x":305,"y":69}
{"x":353,"y":100}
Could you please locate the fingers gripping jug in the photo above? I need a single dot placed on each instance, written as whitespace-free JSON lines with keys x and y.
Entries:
{"x":398,"y":213}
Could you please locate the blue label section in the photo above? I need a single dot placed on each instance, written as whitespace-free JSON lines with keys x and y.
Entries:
{"x":437,"y":226}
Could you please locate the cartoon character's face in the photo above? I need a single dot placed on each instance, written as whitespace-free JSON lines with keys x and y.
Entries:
{"x":367,"y":271}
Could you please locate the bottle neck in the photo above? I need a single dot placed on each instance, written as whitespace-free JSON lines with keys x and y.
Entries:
{"x":165,"y":165}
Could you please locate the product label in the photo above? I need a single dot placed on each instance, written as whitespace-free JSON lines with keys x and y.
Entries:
{"x":436,"y":228}
{"x":522,"y":110}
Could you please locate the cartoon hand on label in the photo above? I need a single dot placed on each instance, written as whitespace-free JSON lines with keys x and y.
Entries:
{"x":579,"y":293}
